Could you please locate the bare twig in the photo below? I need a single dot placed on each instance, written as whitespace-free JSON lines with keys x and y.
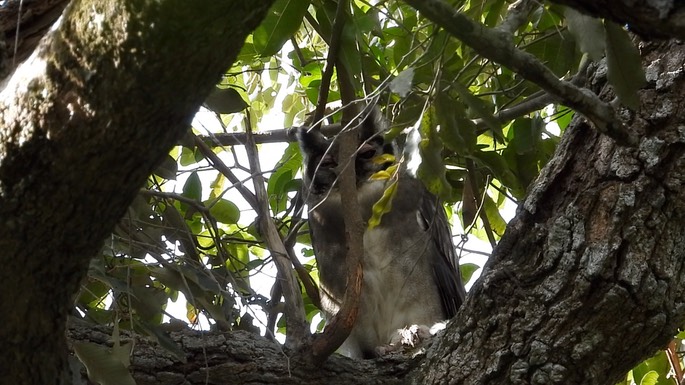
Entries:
{"x":470,"y":168}
{"x":341,"y":325}
{"x":333,"y":48}
{"x":272,"y":136}
{"x":518,"y":15}
{"x":297,"y":333}
{"x":221,"y":166}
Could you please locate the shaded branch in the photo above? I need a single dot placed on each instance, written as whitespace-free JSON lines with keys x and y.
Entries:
{"x":297,"y":332}
{"x":237,"y":357}
{"x":649,"y":19}
{"x":333,"y":48}
{"x":497,"y":45}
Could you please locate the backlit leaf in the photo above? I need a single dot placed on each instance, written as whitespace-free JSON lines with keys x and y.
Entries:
{"x":224,"y":211}
{"x":225,"y":101}
{"x":282,"y":21}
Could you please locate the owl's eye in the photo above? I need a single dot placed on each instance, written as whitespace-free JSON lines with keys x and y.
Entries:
{"x":367,"y":151}
{"x":327,"y":162}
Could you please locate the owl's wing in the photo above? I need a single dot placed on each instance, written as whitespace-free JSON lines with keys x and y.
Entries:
{"x":444,"y":260}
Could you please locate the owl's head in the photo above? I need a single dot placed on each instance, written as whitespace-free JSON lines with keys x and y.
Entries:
{"x":320,"y":154}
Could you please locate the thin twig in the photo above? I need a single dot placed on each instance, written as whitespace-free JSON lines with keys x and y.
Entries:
{"x":333,"y":48}
{"x":497,"y":46}
{"x":297,"y":332}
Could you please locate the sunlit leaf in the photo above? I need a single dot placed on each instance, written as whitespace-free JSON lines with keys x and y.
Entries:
{"x":432,"y":168}
{"x":467,"y":270}
{"x":650,"y":378}
{"x":657,"y":365}
{"x":401,"y":85}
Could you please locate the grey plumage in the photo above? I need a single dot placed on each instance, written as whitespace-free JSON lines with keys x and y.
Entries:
{"x":410,"y":266}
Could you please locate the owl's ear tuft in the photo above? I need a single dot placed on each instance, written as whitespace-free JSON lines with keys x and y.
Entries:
{"x":374,"y":125}
{"x":311,"y":141}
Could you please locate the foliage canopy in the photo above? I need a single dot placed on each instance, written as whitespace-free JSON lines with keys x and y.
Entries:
{"x":485,"y":133}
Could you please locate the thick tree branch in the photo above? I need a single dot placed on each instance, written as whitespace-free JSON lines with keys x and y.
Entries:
{"x":83,"y":123}
{"x":240,"y":357}
{"x":649,"y":19}
{"x":23,"y":24}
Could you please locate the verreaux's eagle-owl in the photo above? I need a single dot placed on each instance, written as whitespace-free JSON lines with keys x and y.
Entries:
{"x":411,"y":271}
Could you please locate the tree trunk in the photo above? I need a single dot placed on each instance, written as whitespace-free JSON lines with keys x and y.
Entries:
{"x":84,"y":122}
{"x":589,"y":278}
{"x":649,"y":19}
{"x":587,"y":281}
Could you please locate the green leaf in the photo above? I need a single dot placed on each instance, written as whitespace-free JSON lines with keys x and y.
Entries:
{"x":349,"y":54}
{"x":224,"y":211}
{"x":103,"y":365}
{"x":217,"y":186}
{"x":659,"y":365}
{"x":624,"y":66}
{"x":282,"y":21}
{"x":467,"y":270}
{"x":225,"y":101}
{"x":524,"y":135}
{"x":480,"y":109}
{"x":650,"y":378}
{"x":499,"y":167}
{"x":189,"y":156}
{"x":588,"y":31}
{"x":157,"y":334}
{"x":192,"y":189}
{"x":497,"y":223}
{"x":557,"y":51}
{"x":282,"y":180}
{"x":168,"y":168}
{"x":457,"y":132}
{"x":383,"y":206}
{"x":432,"y":168}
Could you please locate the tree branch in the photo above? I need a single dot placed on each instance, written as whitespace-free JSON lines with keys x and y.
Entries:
{"x":297,"y":332}
{"x":83,"y":123}
{"x":649,"y":19}
{"x":333,"y":48}
{"x":496,"y":45}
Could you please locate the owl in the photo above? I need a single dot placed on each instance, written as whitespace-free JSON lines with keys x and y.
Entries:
{"x":411,"y":274}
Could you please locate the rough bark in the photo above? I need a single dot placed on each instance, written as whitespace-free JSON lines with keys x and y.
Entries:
{"x":240,"y":357}
{"x":34,"y":19}
{"x":590,"y":275}
{"x":84,"y":122}
{"x":649,"y":19}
